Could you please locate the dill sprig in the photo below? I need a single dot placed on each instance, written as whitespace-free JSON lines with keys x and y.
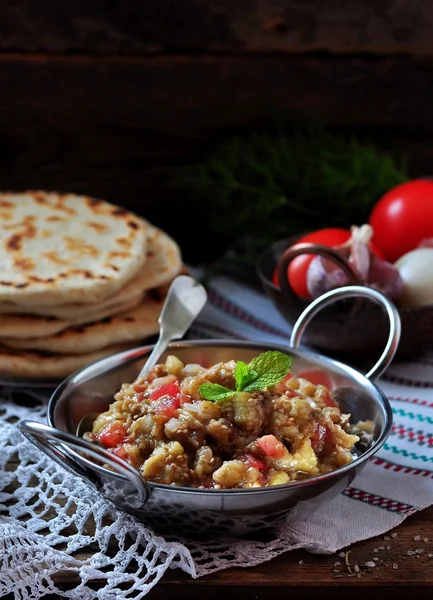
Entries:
{"x":264,"y":186}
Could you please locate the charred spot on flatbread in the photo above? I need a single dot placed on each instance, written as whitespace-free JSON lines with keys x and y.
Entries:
{"x":118,"y":211}
{"x":26,"y":264}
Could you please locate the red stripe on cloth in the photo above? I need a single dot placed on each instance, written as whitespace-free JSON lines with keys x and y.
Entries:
{"x":388,"y":504}
{"x":236,"y":311}
{"x":380,"y":462}
{"x":412,"y":401}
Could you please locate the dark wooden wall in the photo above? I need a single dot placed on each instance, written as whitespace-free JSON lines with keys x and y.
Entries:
{"x":107,"y":96}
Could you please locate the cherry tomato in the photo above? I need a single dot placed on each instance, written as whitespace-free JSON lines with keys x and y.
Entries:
{"x":271,"y":446}
{"x":298,"y":267}
{"x":402,"y":218}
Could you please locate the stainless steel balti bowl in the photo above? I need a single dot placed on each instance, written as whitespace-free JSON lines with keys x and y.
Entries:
{"x":189,"y":510}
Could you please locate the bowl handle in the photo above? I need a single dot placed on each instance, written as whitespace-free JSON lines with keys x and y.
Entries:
{"x":317,"y":249}
{"x":354,"y":291}
{"x":64,"y":448}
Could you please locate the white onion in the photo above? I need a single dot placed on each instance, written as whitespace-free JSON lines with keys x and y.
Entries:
{"x":162,"y":381}
{"x":416,"y":271}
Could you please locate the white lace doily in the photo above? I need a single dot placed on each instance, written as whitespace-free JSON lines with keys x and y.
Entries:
{"x":50,"y":520}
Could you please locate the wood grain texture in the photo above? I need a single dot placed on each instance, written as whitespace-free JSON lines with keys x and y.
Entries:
{"x":102,"y":117}
{"x":173,"y":26}
{"x":118,"y":127}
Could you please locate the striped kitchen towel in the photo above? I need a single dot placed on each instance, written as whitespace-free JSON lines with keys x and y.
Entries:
{"x":398,"y":481}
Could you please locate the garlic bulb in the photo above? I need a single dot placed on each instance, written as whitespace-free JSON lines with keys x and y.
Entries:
{"x":417,"y":275}
{"x":323,"y":275}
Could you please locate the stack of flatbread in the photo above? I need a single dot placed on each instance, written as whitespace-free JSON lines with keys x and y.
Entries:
{"x":80,"y":279}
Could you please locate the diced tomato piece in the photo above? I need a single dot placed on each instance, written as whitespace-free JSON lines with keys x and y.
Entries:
{"x":317,"y":377}
{"x":271,"y":446}
{"x":120,"y":452}
{"x":168,"y":389}
{"x":254,"y":462}
{"x":166,"y":405}
{"x":112,"y":435}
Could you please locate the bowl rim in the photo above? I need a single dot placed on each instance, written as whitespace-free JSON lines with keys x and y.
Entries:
{"x":129,"y":355}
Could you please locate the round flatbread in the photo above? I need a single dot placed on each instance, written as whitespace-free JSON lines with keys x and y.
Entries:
{"x":133,"y":325}
{"x":30,"y":326}
{"x":162,"y":263}
{"x":37,"y":366}
{"x":62,"y":248}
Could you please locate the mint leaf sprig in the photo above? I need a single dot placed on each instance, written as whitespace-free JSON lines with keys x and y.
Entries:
{"x":265,"y":370}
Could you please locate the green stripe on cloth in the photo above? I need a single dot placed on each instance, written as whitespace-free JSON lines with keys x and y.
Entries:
{"x":411,"y":415}
{"x":407,"y":454}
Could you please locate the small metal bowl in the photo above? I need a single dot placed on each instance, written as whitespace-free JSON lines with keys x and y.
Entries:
{"x":352,"y":331}
{"x":200,"y":511}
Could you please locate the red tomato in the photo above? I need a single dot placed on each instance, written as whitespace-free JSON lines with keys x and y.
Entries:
{"x":168,"y":389}
{"x":402,"y":218}
{"x":271,"y":446}
{"x":167,"y":398}
{"x":112,"y":435}
{"x":166,"y":405}
{"x":120,"y":452}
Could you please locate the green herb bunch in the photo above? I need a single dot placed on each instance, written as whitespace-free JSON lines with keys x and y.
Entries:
{"x":265,"y":370}
{"x":265,"y":187}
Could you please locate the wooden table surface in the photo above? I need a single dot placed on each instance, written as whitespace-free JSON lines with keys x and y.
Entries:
{"x":402,"y":558}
